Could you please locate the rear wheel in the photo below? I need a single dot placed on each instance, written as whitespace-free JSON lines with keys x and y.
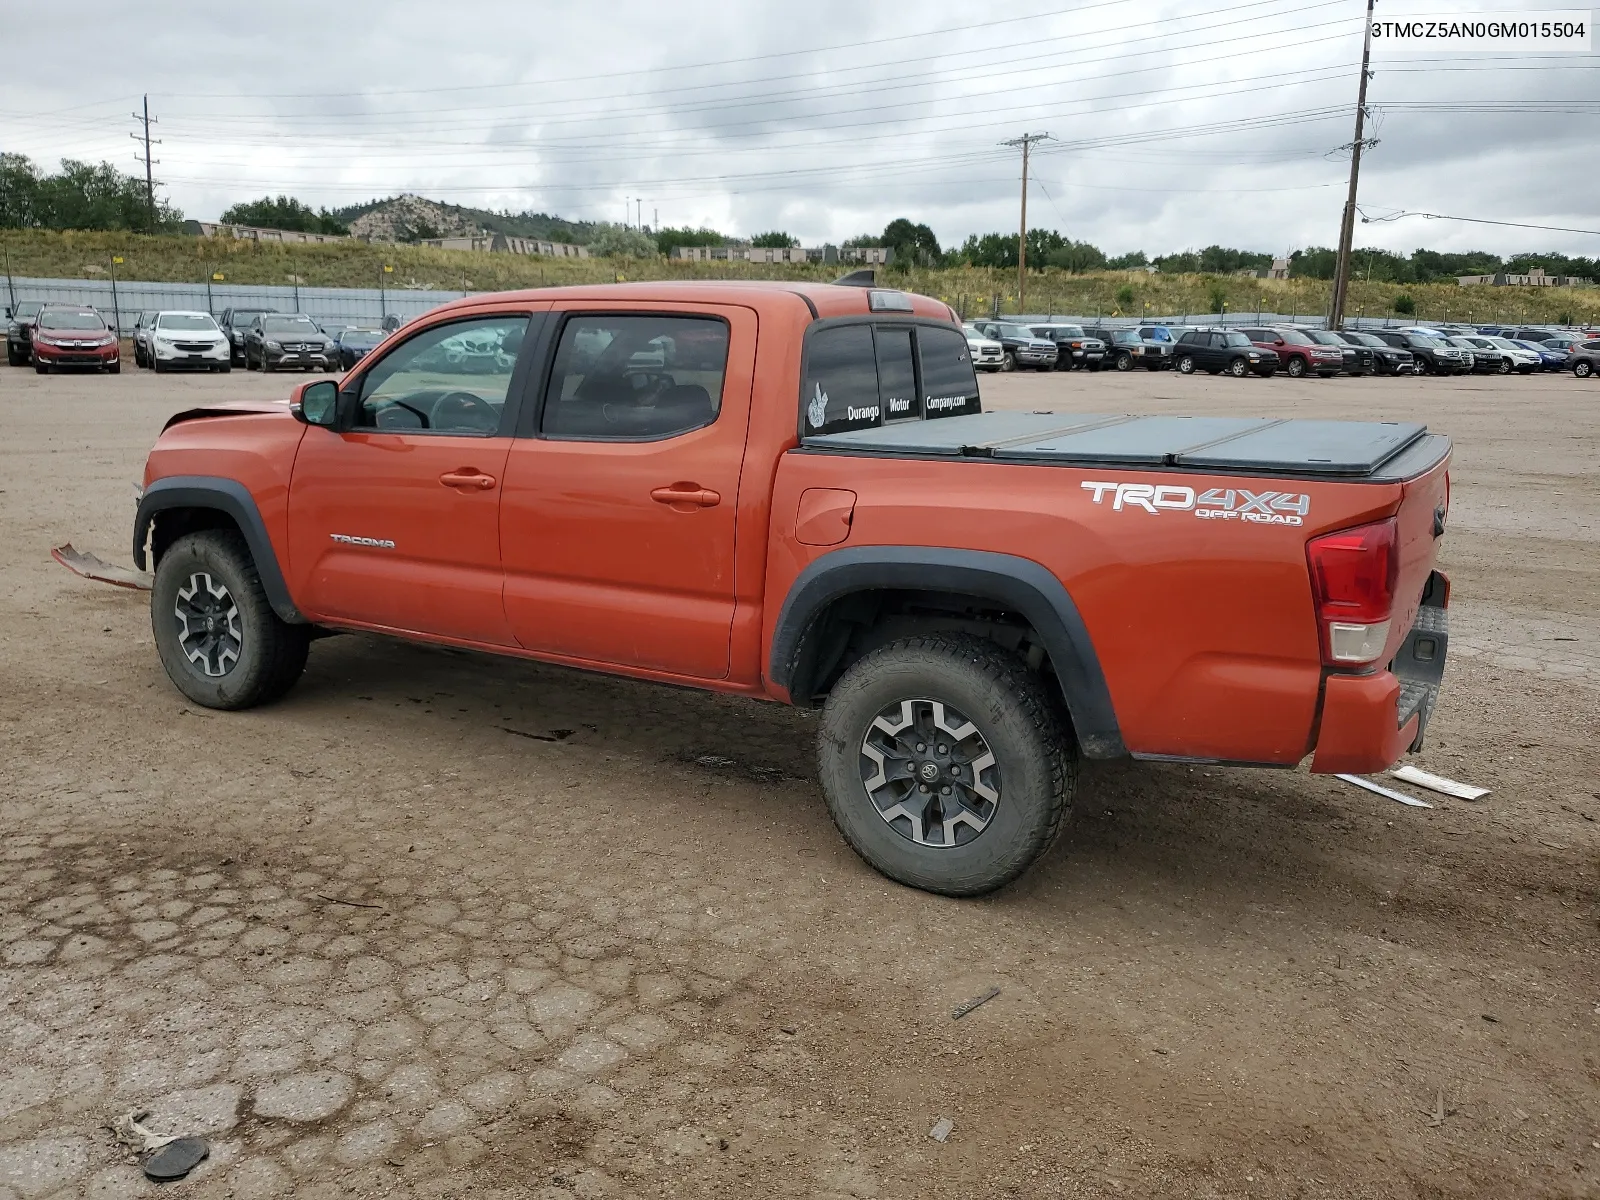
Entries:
{"x":1505,"y":367}
{"x":944,"y":764}
{"x":219,"y":640}
{"x":1238,"y":368}
{"x":1186,"y":365}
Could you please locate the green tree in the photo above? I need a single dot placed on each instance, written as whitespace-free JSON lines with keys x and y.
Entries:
{"x":1218,"y":296}
{"x":285,"y":212}
{"x":1186,"y":263}
{"x":622,"y":241}
{"x":1128,"y":262}
{"x":775,"y":238}
{"x":668,"y":240}
{"x":1314,"y":262}
{"x":80,"y":196}
{"x":1124,"y":297}
{"x":1404,"y":305}
{"x":911,"y":243}
{"x":1077,"y":257}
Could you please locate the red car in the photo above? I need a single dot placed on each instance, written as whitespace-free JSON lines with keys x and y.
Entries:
{"x":1299,"y":354}
{"x":791,"y":492}
{"x":70,"y":335}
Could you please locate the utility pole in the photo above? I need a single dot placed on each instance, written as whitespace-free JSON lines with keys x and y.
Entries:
{"x":1026,"y":141}
{"x":1347,"y":228}
{"x":149,"y":177}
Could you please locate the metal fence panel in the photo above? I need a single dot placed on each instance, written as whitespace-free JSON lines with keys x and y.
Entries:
{"x":364,"y":306}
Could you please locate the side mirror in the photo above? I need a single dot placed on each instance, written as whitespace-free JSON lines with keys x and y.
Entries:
{"x":316,"y":403}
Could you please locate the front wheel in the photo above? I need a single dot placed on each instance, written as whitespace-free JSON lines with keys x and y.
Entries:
{"x":1124,"y":362}
{"x":1186,"y":365}
{"x":114,"y":369}
{"x":1296,"y":368}
{"x":1582,"y":369}
{"x":1504,"y":368}
{"x":1238,"y":368}
{"x":1009,"y":362}
{"x":943,"y":763}
{"x":219,"y":640}
{"x":40,"y":367}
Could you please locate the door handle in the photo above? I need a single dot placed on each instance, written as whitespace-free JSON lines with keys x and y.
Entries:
{"x":686,"y":497}
{"x":466,"y":477}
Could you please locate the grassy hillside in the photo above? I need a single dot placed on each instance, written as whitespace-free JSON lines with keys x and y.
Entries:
{"x":50,"y":254}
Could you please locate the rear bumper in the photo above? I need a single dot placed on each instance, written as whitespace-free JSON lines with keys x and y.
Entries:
{"x":1369,"y":721}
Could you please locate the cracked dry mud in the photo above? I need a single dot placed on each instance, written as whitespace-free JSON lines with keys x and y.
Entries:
{"x":440,"y":924}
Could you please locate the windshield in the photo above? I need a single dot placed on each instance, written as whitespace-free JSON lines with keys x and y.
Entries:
{"x":57,"y":319}
{"x":1124,"y":337}
{"x":1365,"y":339}
{"x":1504,"y":343}
{"x":366,"y":339}
{"x":1323,"y":338}
{"x":1235,"y":339}
{"x":29,"y":308}
{"x":1422,"y":339}
{"x":1070,"y":331}
{"x":303,"y":326}
{"x":243,"y":316}
{"x":187,"y":323}
{"x":1295,"y":338}
{"x":1016,"y":331}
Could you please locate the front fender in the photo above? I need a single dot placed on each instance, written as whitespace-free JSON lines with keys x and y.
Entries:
{"x":232,"y":498}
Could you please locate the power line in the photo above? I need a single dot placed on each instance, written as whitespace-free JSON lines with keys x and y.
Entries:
{"x":1366,"y":220}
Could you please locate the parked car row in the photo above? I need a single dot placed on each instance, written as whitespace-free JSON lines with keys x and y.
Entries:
{"x":1296,"y":350}
{"x":47,"y":335}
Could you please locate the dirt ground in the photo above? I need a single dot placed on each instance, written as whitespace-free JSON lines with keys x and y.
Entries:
{"x":439,"y":924}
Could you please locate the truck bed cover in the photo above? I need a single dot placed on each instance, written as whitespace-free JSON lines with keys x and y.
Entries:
{"x":1359,"y":451}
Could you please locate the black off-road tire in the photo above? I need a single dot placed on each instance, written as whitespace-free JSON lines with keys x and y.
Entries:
{"x":1034,"y":772}
{"x":271,"y":653}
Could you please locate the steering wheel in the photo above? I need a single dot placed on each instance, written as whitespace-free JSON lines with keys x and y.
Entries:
{"x":383,"y":419}
{"x":469,"y":406}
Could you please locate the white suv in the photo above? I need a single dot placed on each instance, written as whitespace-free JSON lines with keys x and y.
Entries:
{"x":187,"y":339}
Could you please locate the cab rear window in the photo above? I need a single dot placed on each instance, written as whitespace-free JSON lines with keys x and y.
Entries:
{"x":862,"y":375}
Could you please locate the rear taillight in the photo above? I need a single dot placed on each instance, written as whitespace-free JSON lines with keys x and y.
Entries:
{"x":1353,"y":575}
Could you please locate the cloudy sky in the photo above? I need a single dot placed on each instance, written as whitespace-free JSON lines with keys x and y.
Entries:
{"x":1176,"y":124}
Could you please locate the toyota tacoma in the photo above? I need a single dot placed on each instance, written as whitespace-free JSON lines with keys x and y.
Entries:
{"x":794,"y":493}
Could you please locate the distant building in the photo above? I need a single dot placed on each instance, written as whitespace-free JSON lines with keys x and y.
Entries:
{"x":1534,"y":278}
{"x":253,"y":233}
{"x":1278,"y":270}
{"x":743,"y":252}
{"x":501,"y":243}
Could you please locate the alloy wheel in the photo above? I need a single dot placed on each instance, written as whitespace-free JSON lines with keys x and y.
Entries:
{"x":929,"y":773}
{"x":208,"y":625}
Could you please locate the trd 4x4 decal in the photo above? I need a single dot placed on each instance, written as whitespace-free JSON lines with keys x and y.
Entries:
{"x":1213,"y":504}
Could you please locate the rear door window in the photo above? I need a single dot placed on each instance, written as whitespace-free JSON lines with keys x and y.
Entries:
{"x":637,"y":377}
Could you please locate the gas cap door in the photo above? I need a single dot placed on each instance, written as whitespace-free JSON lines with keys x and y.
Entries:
{"x":824,"y":515}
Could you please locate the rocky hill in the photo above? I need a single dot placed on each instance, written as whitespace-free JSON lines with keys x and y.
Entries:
{"x":408,"y":218}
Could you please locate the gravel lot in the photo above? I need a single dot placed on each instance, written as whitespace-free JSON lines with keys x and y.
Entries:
{"x":441,"y":924}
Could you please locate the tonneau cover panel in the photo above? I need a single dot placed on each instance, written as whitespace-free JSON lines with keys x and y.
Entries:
{"x":1246,"y":445}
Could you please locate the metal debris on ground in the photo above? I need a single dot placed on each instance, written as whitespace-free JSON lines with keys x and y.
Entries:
{"x":967,"y":1006}
{"x":942,"y":1129}
{"x":92,"y":566}
{"x":1438,"y":783}
{"x":1438,"y":1114}
{"x":1383,"y":791}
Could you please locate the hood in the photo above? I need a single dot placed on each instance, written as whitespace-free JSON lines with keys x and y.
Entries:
{"x":229,"y":408}
{"x":69,"y":334}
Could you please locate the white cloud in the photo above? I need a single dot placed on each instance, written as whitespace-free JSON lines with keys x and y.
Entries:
{"x":709,"y":114}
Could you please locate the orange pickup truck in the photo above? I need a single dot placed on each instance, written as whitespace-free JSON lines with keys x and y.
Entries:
{"x":792,"y":492}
